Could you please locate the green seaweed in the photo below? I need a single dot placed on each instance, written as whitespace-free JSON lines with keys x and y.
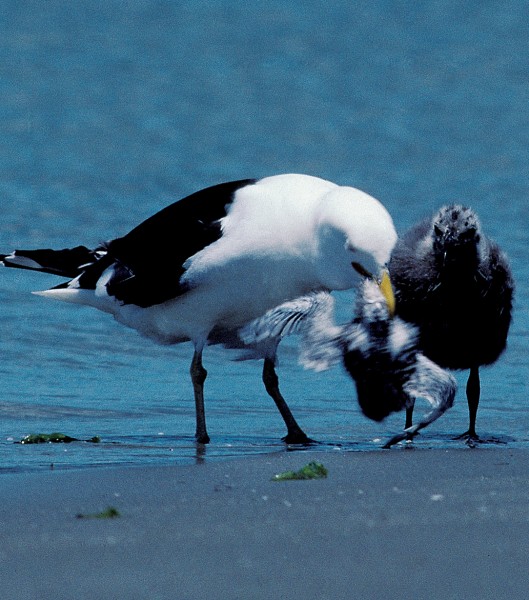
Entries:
{"x":47,"y":438}
{"x":108,"y":513}
{"x":54,"y":438}
{"x":313,"y":470}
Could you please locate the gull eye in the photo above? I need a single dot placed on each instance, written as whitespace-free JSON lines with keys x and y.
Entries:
{"x":360,"y":269}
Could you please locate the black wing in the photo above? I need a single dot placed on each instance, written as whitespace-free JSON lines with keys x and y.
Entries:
{"x":148,"y":261}
{"x":67,"y":263}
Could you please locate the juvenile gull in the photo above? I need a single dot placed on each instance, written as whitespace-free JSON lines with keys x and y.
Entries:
{"x":455,"y":284}
{"x":379,"y":352}
{"x":204,"y":266}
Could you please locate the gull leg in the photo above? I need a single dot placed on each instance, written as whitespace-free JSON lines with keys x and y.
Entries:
{"x":198,"y":377}
{"x":409,"y":417}
{"x":411,"y":432}
{"x":295,"y":435}
{"x":433,"y":384}
{"x":473,"y":393}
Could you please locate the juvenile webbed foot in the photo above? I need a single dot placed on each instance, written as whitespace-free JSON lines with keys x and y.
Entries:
{"x":471,"y":439}
{"x":405,"y":435}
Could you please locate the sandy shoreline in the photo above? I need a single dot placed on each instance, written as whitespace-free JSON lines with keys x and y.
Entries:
{"x":394,"y":524}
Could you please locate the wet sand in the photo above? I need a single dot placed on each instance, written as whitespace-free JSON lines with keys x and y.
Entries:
{"x":402,"y":524}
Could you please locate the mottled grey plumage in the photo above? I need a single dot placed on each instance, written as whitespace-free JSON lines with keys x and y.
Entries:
{"x":455,"y":284}
{"x":380,"y":353}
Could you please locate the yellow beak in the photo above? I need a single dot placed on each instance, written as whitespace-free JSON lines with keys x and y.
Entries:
{"x":387,"y":291}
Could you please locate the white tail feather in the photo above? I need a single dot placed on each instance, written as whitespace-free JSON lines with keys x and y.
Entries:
{"x":73,"y":295}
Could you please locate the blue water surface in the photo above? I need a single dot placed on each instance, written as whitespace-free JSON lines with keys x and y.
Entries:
{"x":110,"y":110}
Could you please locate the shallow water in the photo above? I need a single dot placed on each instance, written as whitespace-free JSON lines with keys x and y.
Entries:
{"x":111,"y":110}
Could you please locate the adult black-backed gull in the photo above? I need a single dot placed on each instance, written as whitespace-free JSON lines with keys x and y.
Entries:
{"x":204,"y":266}
{"x":456,"y":285}
{"x":379,"y":352}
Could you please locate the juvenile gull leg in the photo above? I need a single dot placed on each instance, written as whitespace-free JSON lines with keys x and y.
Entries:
{"x":409,"y":417}
{"x":433,"y":384}
{"x":473,"y":393}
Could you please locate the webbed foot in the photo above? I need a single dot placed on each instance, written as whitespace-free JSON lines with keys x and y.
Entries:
{"x":298,"y":438}
{"x":471,"y":438}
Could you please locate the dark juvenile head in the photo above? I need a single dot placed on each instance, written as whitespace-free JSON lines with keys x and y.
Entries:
{"x":372,"y":311}
{"x":456,"y":233}
{"x":380,"y":355}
